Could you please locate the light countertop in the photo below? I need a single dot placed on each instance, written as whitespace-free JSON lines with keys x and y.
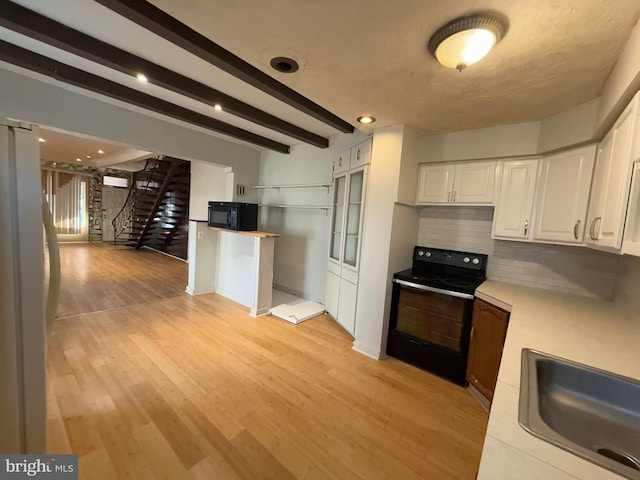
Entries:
{"x":586,"y":330}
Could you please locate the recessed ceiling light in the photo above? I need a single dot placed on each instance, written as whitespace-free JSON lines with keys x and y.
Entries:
{"x":88,"y":156}
{"x":217,"y":107}
{"x":284,"y":64}
{"x":41,"y":140}
{"x":78,"y":159}
{"x":366,"y":119}
{"x":54,"y":164}
{"x":141,"y":77}
{"x":100,"y":151}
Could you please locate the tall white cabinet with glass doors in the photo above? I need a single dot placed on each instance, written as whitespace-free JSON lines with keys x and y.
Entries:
{"x":350,"y":181}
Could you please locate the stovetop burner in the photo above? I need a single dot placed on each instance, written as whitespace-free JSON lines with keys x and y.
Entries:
{"x":446,"y":270}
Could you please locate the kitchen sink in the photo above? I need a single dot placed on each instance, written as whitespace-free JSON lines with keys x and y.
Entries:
{"x":589,"y":412}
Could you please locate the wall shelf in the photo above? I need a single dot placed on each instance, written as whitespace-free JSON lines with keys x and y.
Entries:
{"x":325,"y":208}
{"x":298,"y":185}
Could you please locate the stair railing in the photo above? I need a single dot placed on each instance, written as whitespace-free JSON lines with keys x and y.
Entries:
{"x":124,"y":217}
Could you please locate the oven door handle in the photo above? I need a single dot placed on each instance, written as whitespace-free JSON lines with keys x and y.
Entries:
{"x":432,"y":289}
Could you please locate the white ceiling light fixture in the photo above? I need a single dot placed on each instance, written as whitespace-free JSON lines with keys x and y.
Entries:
{"x":142,"y":78}
{"x":41,"y":140}
{"x":467,"y":39}
{"x":101,"y":152}
{"x":217,"y":107}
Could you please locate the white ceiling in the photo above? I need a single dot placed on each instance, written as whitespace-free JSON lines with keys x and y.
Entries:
{"x":63,"y":147}
{"x":370,"y":56}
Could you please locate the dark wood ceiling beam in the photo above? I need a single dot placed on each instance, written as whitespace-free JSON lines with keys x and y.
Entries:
{"x":46,"y":30}
{"x":152,"y":18}
{"x":65,"y":73}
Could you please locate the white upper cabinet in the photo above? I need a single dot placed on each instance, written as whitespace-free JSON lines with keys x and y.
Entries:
{"x":512,"y":217}
{"x":461,"y":183}
{"x":361,"y":154}
{"x":562,"y":196}
{"x":611,"y":183}
{"x":435,"y":183}
{"x":474,"y":182}
{"x":342,"y":163}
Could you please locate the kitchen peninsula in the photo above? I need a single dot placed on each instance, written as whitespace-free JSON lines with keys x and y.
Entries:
{"x":235,"y":264}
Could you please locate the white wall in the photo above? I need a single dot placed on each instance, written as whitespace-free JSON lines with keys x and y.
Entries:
{"x":389,"y":234}
{"x":627,"y":284}
{"x":571,"y":127}
{"x":42,"y":102}
{"x":623,"y":82}
{"x":301,"y":251}
{"x":570,"y":269}
{"x":208,"y":183}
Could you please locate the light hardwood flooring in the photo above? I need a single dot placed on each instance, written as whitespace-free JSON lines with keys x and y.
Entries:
{"x":194,"y":388}
{"x":101,"y":276}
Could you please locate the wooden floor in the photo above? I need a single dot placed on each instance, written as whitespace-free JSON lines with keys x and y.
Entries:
{"x":194,"y":388}
{"x":101,"y":276}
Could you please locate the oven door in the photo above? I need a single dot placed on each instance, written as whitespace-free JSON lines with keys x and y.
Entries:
{"x":430,"y":328}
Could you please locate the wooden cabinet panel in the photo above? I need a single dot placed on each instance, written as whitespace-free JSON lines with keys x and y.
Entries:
{"x":512,"y":217}
{"x":435,"y":183}
{"x":347,"y":306}
{"x":474,"y":182}
{"x":485,"y":351}
{"x":611,"y":182}
{"x":361,"y":154}
{"x":563,"y":194}
{"x":332,"y":294}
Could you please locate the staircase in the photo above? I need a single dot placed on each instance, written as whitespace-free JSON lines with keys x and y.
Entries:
{"x":156,"y":212}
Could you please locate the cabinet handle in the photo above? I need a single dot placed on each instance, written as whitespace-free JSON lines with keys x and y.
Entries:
{"x":340,"y":162}
{"x":526,"y":227}
{"x":596,"y":227}
{"x":358,"y":155}
{"x":448,"y":197}
{"x":575,"y":229}
{"x":593,"y":224}
{"x":454,"y":195}
{"x":473,"y":329}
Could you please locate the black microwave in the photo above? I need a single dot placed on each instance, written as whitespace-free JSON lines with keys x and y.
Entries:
{"x":233,"y":215}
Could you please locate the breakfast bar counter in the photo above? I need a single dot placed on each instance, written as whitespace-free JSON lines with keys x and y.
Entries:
{"x":235,"y":264}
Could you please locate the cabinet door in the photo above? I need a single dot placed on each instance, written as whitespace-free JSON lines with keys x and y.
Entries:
{"x":485,"y":350}
{"x":347,"y":306}
{"x":474,"y":182}
{"x":435,"y":183}
{"x":512,"y":217}
{"x":598,"y":188}
{"x":353,"y":225}
{"x":563,"y":193}
{"x":341,"y":165}
{"x":361,"y":154}
{"x":337,"y":217}
{"x":332,"y":294}
{"x":614,"y":207}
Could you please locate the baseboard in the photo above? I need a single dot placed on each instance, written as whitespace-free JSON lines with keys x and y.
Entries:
{"x":486,"y":404}
{"x":164,"y":253}
{"x":375,"y":354}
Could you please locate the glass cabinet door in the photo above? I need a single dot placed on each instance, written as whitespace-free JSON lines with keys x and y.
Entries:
{"x":354,"y":209}
{"x":339,"y":190}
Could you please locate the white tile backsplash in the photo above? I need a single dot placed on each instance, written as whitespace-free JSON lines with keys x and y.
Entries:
{"x":568,"y":269}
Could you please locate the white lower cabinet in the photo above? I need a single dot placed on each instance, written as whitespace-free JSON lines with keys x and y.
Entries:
{"x":332,"y":294}
{"x":512,"y":219}
{"x":347,"y":306}
{"x":562,"y":196}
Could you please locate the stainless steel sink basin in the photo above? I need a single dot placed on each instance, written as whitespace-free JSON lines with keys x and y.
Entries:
{"x":589,"y":412}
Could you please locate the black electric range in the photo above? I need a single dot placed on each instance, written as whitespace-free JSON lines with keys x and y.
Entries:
{"x":431,"y":310}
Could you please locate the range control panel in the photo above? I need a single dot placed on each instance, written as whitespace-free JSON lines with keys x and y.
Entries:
{"x":472,"y":261}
